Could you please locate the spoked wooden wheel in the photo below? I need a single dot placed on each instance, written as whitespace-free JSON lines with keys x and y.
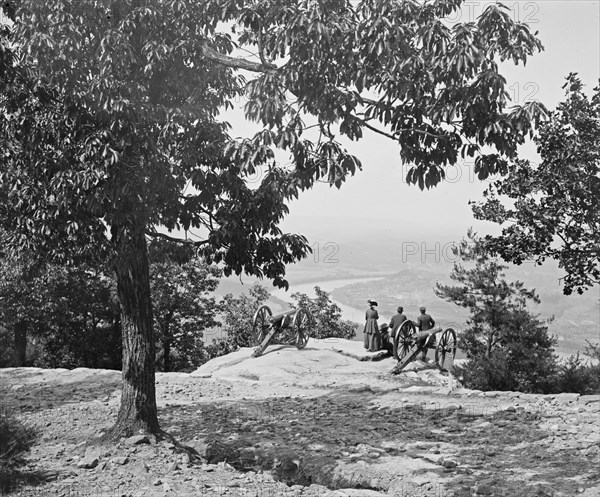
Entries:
{"x":446,"y":349}
{"x":404,"y":340}
{"x":261,"y":324}
{"x":300,"y":327}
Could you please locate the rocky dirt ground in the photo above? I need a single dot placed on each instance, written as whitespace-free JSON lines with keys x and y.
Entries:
{"x":316,"y":422}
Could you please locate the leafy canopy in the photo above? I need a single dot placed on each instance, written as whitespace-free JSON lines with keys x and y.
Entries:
{"x":553,"y":207}
{"x":111,"y":113}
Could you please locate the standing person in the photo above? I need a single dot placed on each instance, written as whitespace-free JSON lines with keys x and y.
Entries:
{"x":397,"y":320}
{"x":424,"y":322}
{"x":395,"y":324}
{"x":372,"y":338}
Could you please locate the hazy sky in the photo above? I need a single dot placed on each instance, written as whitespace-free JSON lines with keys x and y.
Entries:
{"x":570,"y":33}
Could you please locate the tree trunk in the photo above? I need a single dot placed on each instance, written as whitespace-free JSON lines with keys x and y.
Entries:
{"x":138,"y":410}
{"x":488,"y":347}
{"x":167,"y":355}
{"x":20,"y":337}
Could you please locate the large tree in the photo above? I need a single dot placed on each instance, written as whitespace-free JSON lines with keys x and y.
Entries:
{"x":110,"y":116}
{"x":553,"y":207}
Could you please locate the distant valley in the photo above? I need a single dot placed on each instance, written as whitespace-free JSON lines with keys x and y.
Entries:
{"x":395,"y":272}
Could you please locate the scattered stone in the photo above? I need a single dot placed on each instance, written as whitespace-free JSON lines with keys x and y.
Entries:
{"x":419,"y":480}
{"x":88,"y":462}
{"x":354,"y":492}
{"x":80,"y":449}
{"x":140,"y":468}
{"x":485,"y":490}
{"x":137,"y":440}
{"x":120,"y":460}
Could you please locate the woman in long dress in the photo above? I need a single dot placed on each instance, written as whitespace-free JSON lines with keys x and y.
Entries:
{"x":372,"y":338}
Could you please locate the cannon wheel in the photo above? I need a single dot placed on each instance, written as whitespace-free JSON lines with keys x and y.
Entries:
{"x":300,"y":326}
{"x":446,"y":349}
{"x":404,"y":339}
{"x":261,"y":324}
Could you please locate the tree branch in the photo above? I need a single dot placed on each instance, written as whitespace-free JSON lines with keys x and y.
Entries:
{"x":395,"y":137}
{"x":373,"y":128}
{"x":164,"y":236}
{"x":235,"y":62}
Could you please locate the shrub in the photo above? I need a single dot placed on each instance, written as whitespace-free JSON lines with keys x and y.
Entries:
{"x":326,"y":316}
{"x":16,"y":438}
{"x":237,"y":316}
{"x":579,"y":376}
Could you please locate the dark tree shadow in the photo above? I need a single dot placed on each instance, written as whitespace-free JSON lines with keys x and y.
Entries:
{"x":301,"y":440}
{"x":32,"y":397}
{"x":13,"y":479}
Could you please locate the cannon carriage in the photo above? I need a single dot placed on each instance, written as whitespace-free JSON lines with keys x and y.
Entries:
{"x":292,"y":326}
{"x":408,"y":343}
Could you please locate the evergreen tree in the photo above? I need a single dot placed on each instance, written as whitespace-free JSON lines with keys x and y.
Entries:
{"x":508,"y":348}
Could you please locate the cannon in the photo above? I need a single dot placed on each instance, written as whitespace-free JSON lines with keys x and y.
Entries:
{"x":265,"y":326}
{"x":408,"y":343}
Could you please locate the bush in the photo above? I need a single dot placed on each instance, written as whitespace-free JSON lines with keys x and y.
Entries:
{"x":533,"y":373}
{"x":15,"y":439}
{"x":238,"y":316}
{"x":326,"y":315}
{"x":503,"y":372}
{"x":579,"y":376}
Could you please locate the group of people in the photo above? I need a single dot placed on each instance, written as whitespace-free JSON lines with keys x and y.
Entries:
{"x":380,"y":337}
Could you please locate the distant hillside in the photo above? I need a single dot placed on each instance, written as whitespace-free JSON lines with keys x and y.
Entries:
{"x":409,"y":269}
{"x":575,"y":317}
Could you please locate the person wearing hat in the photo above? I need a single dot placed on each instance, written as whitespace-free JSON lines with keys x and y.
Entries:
{"x":395,"y":324}
{"x":424,"y":322}
{"x":371,"y":331}
{"x":397,"y":320}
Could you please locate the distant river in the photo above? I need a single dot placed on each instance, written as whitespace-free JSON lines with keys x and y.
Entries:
{"x":350,"y":313}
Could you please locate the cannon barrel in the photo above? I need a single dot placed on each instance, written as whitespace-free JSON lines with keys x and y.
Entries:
{"x":277,"y":318}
